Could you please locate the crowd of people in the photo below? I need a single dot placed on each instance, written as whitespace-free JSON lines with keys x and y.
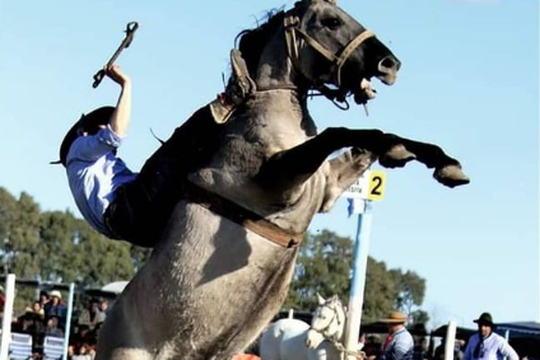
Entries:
{"x":47,"y":317}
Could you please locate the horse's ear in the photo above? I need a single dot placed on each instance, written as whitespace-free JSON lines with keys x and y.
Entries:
{"x":321,"y":300}
{"x":333,"y":2}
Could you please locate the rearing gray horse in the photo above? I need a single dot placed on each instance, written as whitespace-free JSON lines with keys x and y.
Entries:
{"x":223,"y":266}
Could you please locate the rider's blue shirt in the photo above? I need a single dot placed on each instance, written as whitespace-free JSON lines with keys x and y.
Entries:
{"x":95,"y":173}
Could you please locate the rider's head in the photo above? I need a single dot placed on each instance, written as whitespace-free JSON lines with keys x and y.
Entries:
{"x":87,"y":125}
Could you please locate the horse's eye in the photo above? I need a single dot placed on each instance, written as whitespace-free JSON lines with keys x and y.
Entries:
{"x":331,"y":23}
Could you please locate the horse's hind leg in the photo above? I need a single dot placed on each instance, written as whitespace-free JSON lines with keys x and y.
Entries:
{"x":447,"y":169}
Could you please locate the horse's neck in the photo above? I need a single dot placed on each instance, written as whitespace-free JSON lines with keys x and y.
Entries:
{"x":276,"y":113}
{"x":275,"y":69}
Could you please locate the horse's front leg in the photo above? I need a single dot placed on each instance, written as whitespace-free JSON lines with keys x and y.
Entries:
{"x":447,"y":169}
{"x":287,"y":170}
{"x":342,"y":172}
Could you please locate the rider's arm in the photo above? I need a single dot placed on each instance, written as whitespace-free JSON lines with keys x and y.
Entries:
{"x":120,"y":118}
{"x":92,"y":147}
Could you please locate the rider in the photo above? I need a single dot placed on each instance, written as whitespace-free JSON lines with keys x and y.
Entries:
{"x":115,"y":201}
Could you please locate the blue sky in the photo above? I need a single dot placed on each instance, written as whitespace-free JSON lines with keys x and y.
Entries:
{"x":469,"y":83}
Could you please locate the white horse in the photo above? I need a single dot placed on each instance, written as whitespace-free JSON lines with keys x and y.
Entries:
{"x":292,"y":339}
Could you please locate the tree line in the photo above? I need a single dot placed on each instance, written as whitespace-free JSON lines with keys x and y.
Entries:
{"x":56,"y":246}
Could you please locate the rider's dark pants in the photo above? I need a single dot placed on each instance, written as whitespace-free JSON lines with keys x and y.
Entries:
{"x":142,"y":208}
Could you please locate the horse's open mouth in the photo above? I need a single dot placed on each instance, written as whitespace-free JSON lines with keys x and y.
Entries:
{"x":366,"y":92}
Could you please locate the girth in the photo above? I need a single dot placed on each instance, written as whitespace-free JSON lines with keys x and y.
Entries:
{"x":242,"y":216}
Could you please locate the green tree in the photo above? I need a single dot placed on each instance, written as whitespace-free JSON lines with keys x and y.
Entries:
{"x":324,"y":266}
{"x":19,"y":234}
{"x":419,"y":317}
{"x":59,"y":238}
{"x":139,"y":256}
{"x":380,"y":290}
{"x":8,"y":207}
{"x":410,"y":290}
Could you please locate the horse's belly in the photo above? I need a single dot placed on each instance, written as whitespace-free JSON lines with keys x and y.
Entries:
{"x":215,"y":285}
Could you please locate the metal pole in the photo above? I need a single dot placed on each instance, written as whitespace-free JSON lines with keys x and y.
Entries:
{"x":8,"y":313}
{"x":68,"y":320}
{"x":450,"y":342}
{"x":507,"y":338}
{"x":356,"y":299}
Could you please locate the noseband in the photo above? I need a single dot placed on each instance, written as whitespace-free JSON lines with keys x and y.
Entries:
{"x":292,"y":30}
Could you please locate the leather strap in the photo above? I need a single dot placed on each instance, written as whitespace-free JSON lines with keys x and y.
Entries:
{"x":292,"y":25}
{"x":242,"y":216}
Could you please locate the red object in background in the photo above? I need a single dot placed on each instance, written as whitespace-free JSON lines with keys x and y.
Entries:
{"x":2,"y":302}
{"x":246,"y":357}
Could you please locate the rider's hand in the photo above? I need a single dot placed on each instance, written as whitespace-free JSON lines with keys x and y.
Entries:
{"x":113,"y":71}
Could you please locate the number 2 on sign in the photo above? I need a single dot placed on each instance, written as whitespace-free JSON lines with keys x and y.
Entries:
{"x":377,"y":182}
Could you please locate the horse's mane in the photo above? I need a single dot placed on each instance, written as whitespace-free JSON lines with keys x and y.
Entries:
{"x":252,"y":42}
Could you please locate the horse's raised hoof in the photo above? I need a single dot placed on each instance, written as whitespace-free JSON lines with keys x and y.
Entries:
{"x":451,"y":176}
{"x":397,"y":157}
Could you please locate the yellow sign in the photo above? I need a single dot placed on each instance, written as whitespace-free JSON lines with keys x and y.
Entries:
{"x":369,"y":186}
{"x":377,"y":182}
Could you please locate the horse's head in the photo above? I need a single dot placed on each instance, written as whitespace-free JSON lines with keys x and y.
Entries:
{"x":328,"y":46}
{"x":328,"y":322}
{"x":323,"y":45}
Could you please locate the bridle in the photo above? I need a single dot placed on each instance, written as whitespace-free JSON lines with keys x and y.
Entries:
{"x":335,"y":318}
{"x":293,"y":31}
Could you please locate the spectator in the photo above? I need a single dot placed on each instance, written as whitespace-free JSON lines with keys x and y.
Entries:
{"x":104,"y":306}
{"x":459,"y":349}
{"x":37,"y":309}
{"x":420,"y":351}
{"x":92,"y":351}
{"x":373,"y":347}
{"x":439,"y":351}
{"x":92,"y":316}
{"x":399,"y":343}
{"x":361,"y":342}
{"x":487,"y":345}
{"x":43,"y":298}
{"x":52,"y":328}
{"x":55,"y":307}
{"x":82,"y":353}
{"x":32,"y":324}
{"x":83,"y":336}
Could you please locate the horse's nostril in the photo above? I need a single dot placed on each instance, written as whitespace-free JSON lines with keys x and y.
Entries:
{"x":389,"y":63}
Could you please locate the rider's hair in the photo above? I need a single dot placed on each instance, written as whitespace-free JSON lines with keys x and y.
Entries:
{"x":89,"y":123}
